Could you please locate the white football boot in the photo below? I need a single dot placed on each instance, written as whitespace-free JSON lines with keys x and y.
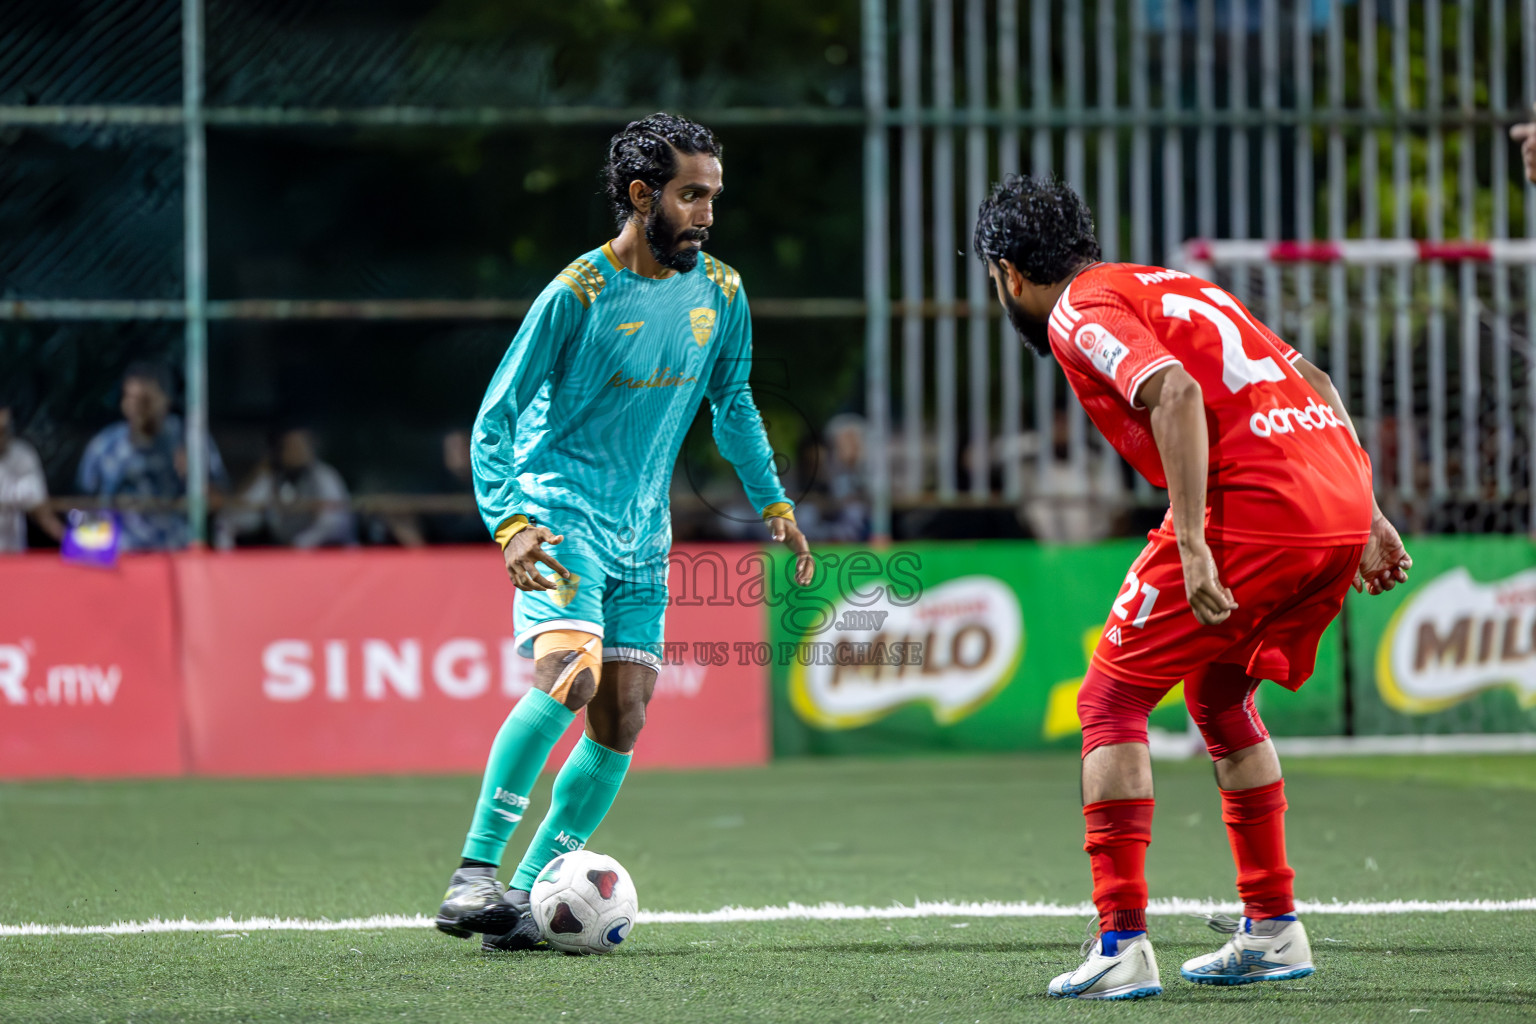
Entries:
{"x":1127,"y":971}
{"x":1265,"y":950}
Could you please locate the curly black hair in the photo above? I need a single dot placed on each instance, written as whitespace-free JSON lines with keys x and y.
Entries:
{"x":647,"y":151}
{"x":1040,"y":225}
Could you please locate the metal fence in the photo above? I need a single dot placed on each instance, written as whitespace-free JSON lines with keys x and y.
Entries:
{"x":1448,"y":417}
{"x":122,"y":93}
{"x":1175,"y":118}
{"x":1178,"y":119}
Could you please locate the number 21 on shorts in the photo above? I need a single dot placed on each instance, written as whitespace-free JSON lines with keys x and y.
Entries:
{"x":1132,"y":587}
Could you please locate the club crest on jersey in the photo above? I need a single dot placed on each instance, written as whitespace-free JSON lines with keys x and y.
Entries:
{"x":702,"y":320}
{"x":1103,"y":349}
{"x":565,"y":590}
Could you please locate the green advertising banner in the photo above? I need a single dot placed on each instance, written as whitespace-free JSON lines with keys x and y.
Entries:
{"x":1454,"y":649}
{"x":1005,"y":630}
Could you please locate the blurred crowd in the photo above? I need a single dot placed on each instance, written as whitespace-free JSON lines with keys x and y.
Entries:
{"x":292,"y":497}
{"x":137,"y":466}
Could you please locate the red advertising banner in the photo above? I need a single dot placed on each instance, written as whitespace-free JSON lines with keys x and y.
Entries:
{"x":89,"y":681}
{"x":402,"y":661}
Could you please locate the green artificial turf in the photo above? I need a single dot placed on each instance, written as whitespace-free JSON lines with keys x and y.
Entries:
{"x":866,"y":832}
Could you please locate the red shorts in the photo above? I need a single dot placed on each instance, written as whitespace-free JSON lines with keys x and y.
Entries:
{"x":1286,"y":598}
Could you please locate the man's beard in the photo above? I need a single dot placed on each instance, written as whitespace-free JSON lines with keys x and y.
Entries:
{"x":1032,"y":333}
{"x":663,"y":237}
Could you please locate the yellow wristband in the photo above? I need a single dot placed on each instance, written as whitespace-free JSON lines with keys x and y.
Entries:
{"x":779,"y":510}
{"x":509,"y":529}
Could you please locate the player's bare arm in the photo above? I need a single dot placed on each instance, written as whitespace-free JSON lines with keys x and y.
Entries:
{"x":784,"y":530}
{"x":1178,"y":426}
{"x":1385,"y":562}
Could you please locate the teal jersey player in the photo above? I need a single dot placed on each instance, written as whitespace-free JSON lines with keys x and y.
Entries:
{"x":573,"y":453}
{"x":581,"y":425}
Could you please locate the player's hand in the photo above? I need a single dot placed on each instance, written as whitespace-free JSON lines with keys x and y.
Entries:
{"x":786,"y":532}
{"x":1385,"y":562}
{"x":1211,"y":602}
{"x":1525,"y":134}
{"x":523,"y":554}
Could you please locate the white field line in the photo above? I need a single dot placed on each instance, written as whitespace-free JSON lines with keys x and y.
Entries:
{"x":791,"y":912}
{"x":1354,"y":746}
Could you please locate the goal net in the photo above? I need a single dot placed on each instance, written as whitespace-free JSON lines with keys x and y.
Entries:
{"x":1429,"y":342}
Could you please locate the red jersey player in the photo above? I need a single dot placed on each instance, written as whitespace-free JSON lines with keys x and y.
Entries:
{"x":1271,"y":519}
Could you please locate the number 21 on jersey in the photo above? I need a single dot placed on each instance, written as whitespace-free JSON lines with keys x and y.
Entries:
{"x":1237,"y":369}
{"x":1132,"y":587}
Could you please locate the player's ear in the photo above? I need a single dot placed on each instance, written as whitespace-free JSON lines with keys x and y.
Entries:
{"x":640,"y":196}
{"x":1012,"y":279}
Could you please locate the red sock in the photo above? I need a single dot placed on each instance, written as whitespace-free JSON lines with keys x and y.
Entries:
{"x":1255,"y":821}
{"x":1118,"y":834}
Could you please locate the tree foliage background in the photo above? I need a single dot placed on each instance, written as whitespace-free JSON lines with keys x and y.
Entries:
{"x":390,"y":212}
{"x":494,"y":212}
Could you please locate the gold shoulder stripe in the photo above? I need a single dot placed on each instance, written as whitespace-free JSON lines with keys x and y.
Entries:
{"x":726,"y":279}
{"x":581,"y":290}
{"x":583,"y":278}
{"x":588,"y":273}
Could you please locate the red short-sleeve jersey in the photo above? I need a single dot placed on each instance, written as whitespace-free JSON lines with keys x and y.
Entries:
{"x":1282,"y":465}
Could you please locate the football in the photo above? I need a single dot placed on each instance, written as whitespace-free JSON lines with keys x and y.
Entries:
{"x":584,"y":902}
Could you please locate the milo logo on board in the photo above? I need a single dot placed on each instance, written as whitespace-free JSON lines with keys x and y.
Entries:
{"x":953,"y":649}
{"x":1455,"y":637}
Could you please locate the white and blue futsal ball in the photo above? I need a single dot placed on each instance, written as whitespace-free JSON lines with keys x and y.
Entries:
{"x":584,"y":902}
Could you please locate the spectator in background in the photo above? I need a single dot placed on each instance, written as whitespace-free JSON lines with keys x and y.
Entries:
{"x":453,"y":477}
{"x":23,"y":489}
{"x":294,"y":500}
{"x":837,"y":505}
{"x":1525,"y":134}
{"x":144,"y":459}
{"x":1069,"y":504}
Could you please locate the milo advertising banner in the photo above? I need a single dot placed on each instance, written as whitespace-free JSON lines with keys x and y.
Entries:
{"x":975,"y":646}
{"x":1454,"y":649}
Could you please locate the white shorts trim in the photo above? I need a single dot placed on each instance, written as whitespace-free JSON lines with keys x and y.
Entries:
{"x":631,"y":654}
{"x":524,"y":640}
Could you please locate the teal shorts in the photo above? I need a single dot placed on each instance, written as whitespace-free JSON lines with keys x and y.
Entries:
{"x":629,"y":616}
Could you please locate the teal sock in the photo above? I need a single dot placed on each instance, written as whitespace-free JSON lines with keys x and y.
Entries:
{"x":521,"y":747}
{"x":584,"y":790}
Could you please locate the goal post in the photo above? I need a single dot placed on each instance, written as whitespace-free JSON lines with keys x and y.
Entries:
{"x":1429,"y":341}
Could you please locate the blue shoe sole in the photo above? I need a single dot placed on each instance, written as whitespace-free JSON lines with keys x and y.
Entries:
{"x":1139,"y":993}
{"x":1250,"y":979}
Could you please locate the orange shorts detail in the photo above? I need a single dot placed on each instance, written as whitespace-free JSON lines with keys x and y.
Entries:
{"x":1286,"y":598}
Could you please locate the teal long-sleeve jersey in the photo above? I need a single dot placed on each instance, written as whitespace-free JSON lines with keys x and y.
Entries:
{"x":581,"y":425}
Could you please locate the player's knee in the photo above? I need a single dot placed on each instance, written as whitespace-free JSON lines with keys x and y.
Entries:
{"x":631,"y":721}
{"x":1226,"y":716}
{"x":617,"y":723}
{"x":1227,"y":734}
{"x":574,"y":689}
{"x":582,"y":689}
{"x":1112,"y":712}
{"x":569,"y":666}
{"x":623,"y":708}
